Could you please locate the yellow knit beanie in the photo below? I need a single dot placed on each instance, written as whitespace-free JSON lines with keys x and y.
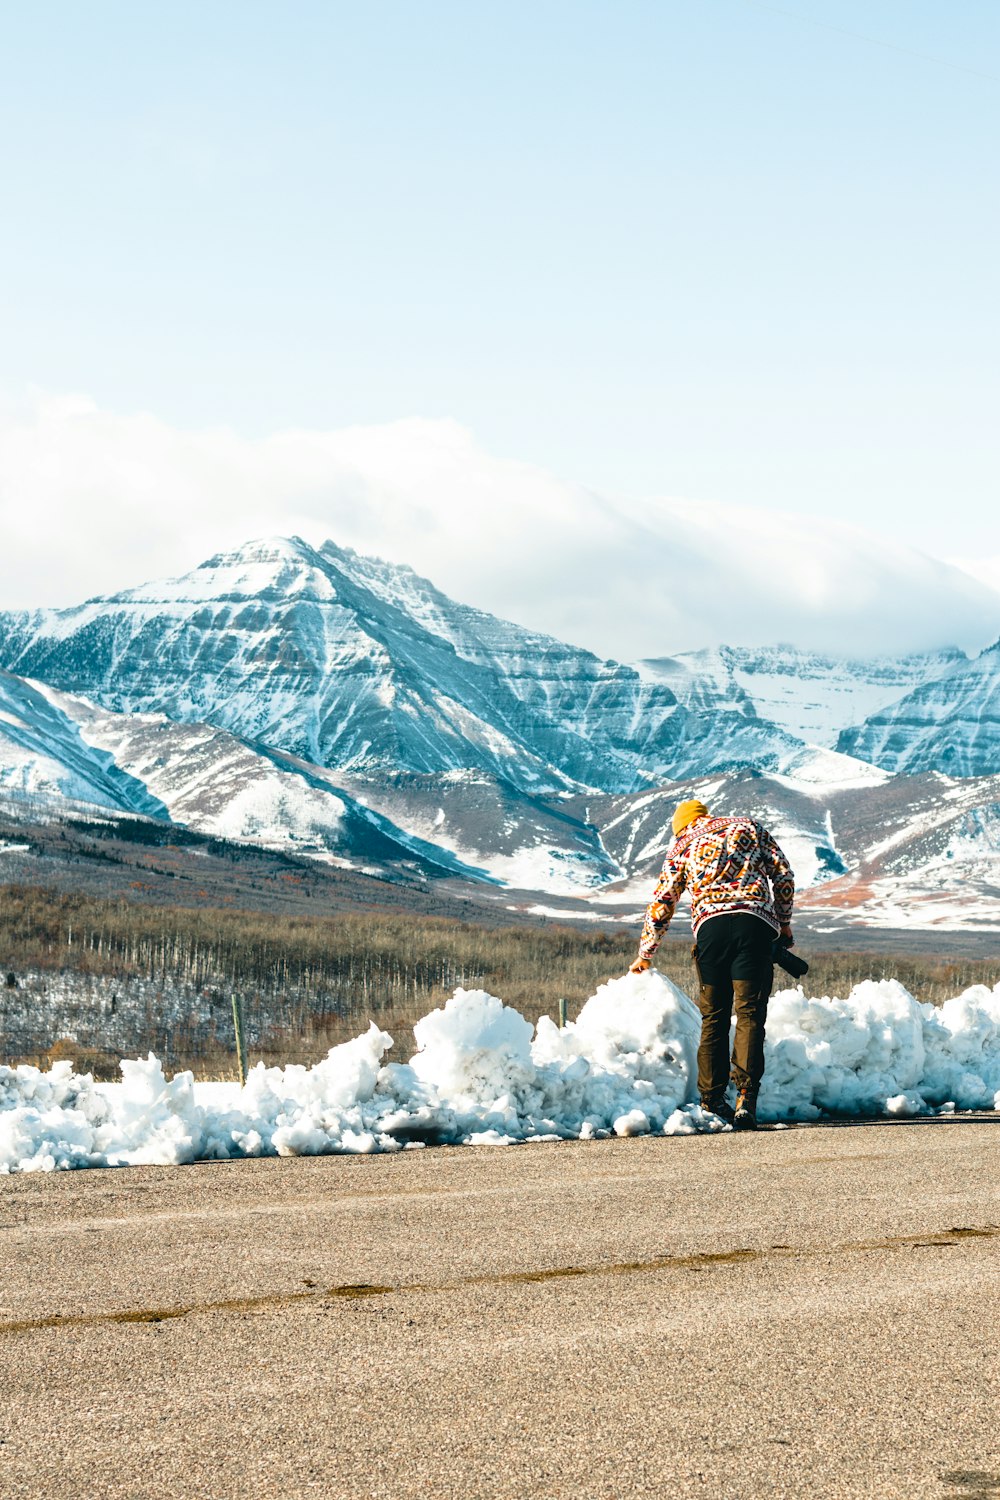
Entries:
{"x":687,"y":812}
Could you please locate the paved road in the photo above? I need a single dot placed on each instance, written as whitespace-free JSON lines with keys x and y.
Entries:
{"x":811,"y":1312}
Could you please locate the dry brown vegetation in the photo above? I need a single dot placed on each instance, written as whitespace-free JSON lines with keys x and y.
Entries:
{"x":314,"y":981}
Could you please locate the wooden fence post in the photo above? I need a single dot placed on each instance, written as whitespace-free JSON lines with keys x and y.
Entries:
{"x":241,"y":1044}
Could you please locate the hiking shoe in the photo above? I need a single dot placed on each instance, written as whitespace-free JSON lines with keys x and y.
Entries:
{"x":718,"y":1106}
{"x":745,"y":1114}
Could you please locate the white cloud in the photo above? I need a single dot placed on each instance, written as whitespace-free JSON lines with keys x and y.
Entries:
{"x":986,"y":569}
{"x":93,"y":501}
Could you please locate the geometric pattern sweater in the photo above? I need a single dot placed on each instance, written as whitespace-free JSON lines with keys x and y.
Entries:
{"x":728,"y":865}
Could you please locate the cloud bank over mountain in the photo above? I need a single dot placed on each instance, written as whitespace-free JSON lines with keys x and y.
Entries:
{"x":91,"y":499}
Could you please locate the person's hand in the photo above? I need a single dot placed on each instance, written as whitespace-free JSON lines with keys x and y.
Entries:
{"x":786,"y":936}
{"x":640,"y":966}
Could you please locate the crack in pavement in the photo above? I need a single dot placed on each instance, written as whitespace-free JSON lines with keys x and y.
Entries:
{"x":350,"y":1291}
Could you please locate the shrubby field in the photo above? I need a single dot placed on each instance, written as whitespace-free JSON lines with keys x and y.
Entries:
{"x":89,"y":979}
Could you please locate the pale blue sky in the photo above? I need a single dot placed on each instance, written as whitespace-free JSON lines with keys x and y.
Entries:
{"x":710,"y":249}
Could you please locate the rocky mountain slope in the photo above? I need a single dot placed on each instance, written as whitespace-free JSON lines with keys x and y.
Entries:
{"x":810,"y":696}
{"x":950,"y":724}
{"x":877,"y":850}
{"x":869,"y":849}
{"x":43,"y":754}
{"x":463,"y":824}
{"x":216,"y":783}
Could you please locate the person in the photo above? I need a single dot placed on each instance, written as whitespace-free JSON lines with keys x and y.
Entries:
{"x":742,"y":890}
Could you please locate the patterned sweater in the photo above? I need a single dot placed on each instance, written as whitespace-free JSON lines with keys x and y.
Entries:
{"x":729,"y":865}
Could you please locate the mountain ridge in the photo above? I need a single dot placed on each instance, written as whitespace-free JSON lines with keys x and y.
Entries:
{"x":316,"y":701}
{"x":811,"y":695}
{"x":314,"y":651}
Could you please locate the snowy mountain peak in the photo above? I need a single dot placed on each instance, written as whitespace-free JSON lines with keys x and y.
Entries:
{"x":270,"y":568}
{"x":356,"y":663}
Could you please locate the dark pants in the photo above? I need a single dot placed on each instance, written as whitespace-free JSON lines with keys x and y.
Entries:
{"x":734,"y":963}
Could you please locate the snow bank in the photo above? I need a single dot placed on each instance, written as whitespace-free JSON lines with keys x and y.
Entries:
{"x":483,"y":1075}
{"x":880,"y":1051}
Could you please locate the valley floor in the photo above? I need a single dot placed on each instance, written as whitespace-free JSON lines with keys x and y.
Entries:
{"x":801,"y":1313}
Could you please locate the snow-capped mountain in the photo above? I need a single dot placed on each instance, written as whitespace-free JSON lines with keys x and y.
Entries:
{"x":317,"y":702}
{"x":810,"y":696}
{"x":949,"y":724}
{"x":356,"y":664}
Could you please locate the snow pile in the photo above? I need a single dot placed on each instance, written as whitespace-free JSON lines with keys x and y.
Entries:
{"x":483,"y":1075}
{"x":880,"y":1051}
{"x":60,"y":1119}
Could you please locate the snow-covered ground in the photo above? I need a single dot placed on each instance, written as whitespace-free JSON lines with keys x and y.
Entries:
{"x":483,"y":1075}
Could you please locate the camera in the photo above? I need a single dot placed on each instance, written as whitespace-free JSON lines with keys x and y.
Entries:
{"x":789,"y":961}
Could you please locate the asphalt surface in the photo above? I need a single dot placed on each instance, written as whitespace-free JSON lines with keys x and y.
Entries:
{"x":811,"y":1312}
